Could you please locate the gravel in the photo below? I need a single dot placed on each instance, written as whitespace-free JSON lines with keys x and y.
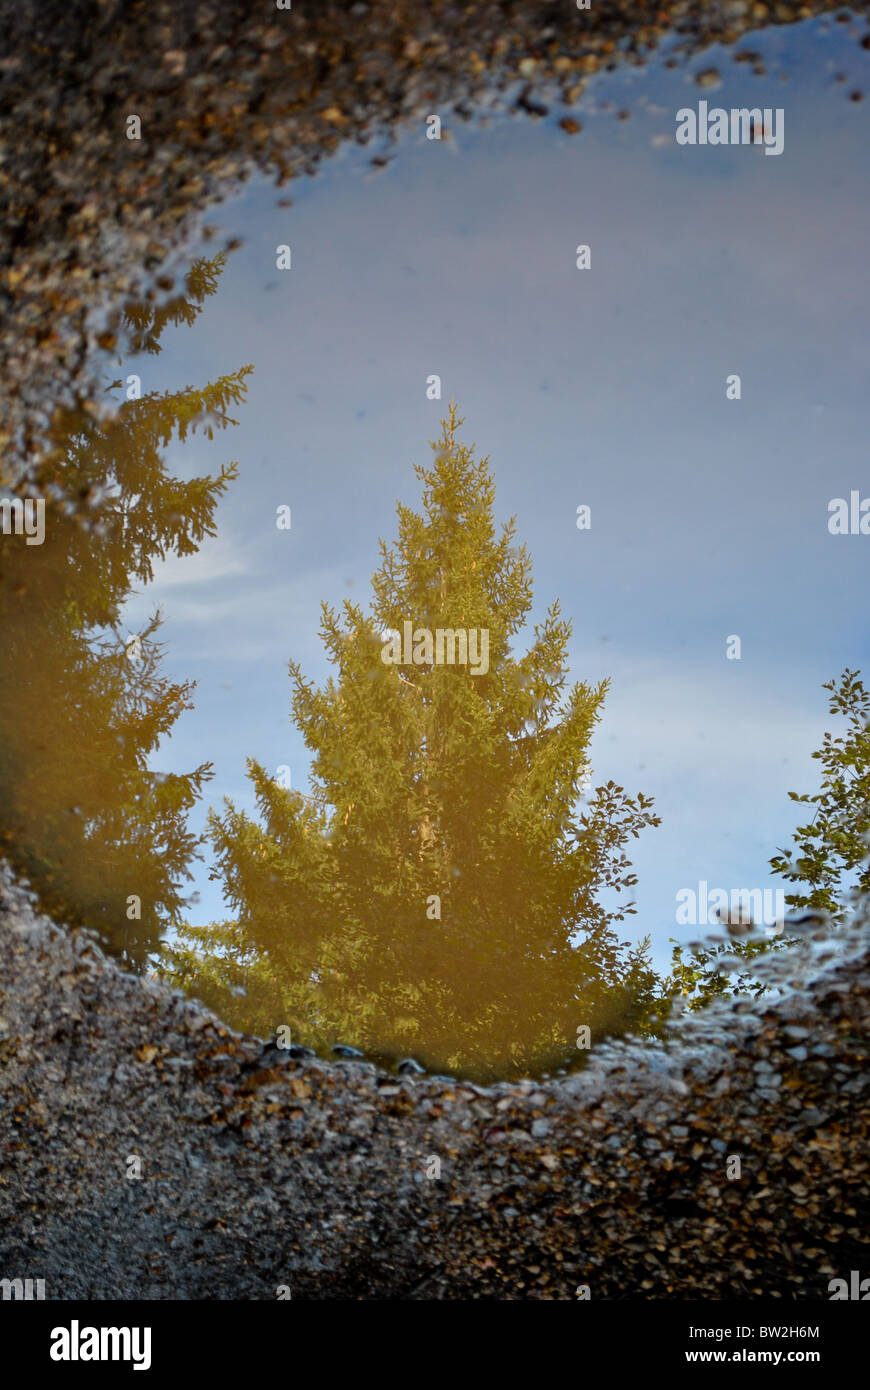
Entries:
{"x":341,"y":1181}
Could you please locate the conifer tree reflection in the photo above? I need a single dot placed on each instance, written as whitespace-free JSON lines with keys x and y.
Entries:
{"x":439,"y":893}
{"x":101,"y":836}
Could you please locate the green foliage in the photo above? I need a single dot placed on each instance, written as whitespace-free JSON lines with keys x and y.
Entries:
{"x":834,"y":843}
{"x":828,"y":848}
{"x":218,"y":964}
{"x":429,"y":783}
{"x":708,"y":971}
{"x":81,"y":813}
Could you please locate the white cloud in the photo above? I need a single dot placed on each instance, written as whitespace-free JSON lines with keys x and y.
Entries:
{"x":217,"y":558}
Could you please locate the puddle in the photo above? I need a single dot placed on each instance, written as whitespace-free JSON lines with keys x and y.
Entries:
{"x":707,"y":587}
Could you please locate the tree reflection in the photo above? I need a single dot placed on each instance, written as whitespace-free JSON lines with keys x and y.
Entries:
{"x":102,"y":837}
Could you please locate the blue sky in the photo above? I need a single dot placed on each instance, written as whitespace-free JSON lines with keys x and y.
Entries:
{"x":605,"y":387}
